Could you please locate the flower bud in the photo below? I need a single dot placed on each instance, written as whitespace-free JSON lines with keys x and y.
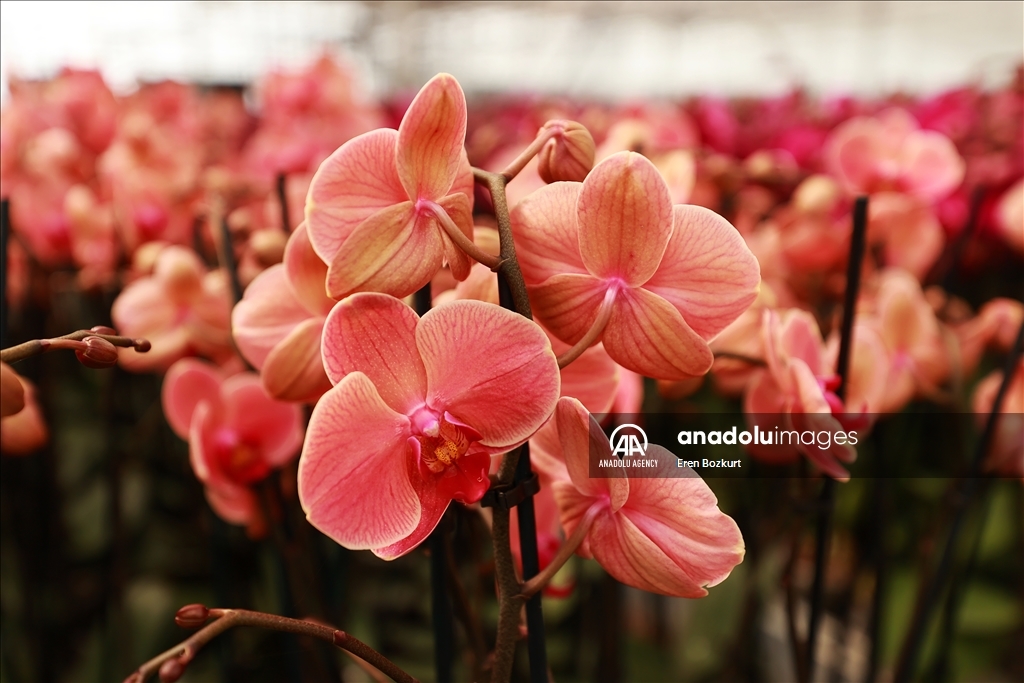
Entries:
{"x":268,"y":246}
{"x":192,"y":616}
{"x":568,"y":155}
{"x":97,"y":354}
{"x":171,"y":670}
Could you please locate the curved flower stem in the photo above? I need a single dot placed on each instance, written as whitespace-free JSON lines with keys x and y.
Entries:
{"x":40,"y":346}
{"x":568,"y":549}
{"x":588,"y":339}
{"x":520,"y":162}
{"x":186,"y":651}
{"x":509,"y":268}
{"x":461,"y":241}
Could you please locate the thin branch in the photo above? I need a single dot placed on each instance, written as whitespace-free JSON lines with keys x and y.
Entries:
{"x":171,"y":664}
{"x":604,"y":313}
{"x":40,"y":346}
{"x":520,"y":162}
{"x":459,"y":238}
{"x":568,"y":549}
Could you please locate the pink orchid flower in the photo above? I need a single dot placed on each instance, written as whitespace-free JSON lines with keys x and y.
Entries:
{"x":797,"y":389}
{"x":993,"y":328}
{"x":418,"y":407}
{"x":181,"y":309}
{"x":279,"y":322}
{"x":906,"y":232}
{"x":889,"y":152}
{"x":235,"y":432}
{"x":1006,"y":455}
{"x":388,"y":208}
{"x":22,"y":428}
{"x":663,"y":535}
{"x":610,"y":259}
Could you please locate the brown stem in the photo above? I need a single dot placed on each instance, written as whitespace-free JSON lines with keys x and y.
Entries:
{"x":461,"y":241}
{"x":185,"y":652}
{"x":520,"y":162}
{"x":567,"y":550}
{"x":40,"y":346}
{"x":509,"y":268}
{"x":604,"y":313}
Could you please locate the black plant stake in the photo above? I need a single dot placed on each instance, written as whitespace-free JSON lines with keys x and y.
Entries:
{"x":282,"y":198}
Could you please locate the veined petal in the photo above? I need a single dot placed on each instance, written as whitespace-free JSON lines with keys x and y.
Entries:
{"x":583,"y":441}
{"x":432,"y":508}
{"x":351,"y":185}
{"x":459,"y":208}
{"x":396,"y":251}
{"x":708,"y":273}
{"x":546,"y":232}
{"x":593,"y":378}
{"x":307,"y":272}
{"x":267,"y":313}
{"x":669,"y":538}
{"x":353,"y":476}
{"x":647,"y":335}
{"x":568,"y":304}
{"x":431,"y":138}
{"x":491,"y":368}
{"x":625,"y":219}
{"x":186,"y":383}
{"x":294,"y":369}
{"x":274,"y":426}
{"x":375,"y":334}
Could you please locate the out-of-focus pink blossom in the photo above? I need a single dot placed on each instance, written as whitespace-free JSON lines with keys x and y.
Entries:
{"x":993,"y":328}
{"x":905,"y":232}
{"x":22,"y":428}
{"x":653,"y":296}
{"x":418,"y":407}
{"x":181,"y":309}
{"x":384,"y":209}
{"x":664,"y":535}
{"x":235,"y":432}
{"x":278,"y":323}
{"x":1010,"y":215}
{"x":1006,"y":455}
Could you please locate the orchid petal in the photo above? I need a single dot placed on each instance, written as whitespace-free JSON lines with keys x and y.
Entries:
{"x":431,"y":138}
{"x":268,"y":312}
{"x":375,"y":334}
{"x":708,"y":273}
{"x":647,"y":335}
{"x":233,"y":504}
{"x":432,"y":509}
{"x":932,"y":165}
{"x":396,"y":251}
{"x":355,"y":182}
{"x":294,"y":369}
{"x":507,"y":380}
{"x":307,"y":272}
{"x":258,"y":419}
{"x":546,"y":233}
{"x":582,"y":442}
{"x":568,"y":304}
{"x":625,"y":219}
{"x":353,"y":477}
{"x":186,"y":383}
{"x":459,"y":208}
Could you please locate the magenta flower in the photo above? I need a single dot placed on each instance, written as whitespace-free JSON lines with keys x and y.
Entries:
{"x":610,"y":259}
{"x":418,"y":407}
{"x":236,"y":434}
{"x":663,"y":535}
{"x":388,"y":208}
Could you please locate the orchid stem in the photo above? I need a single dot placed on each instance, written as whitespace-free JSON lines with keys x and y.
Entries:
{"x":282,"y":198}
{"x":461,"y":241}
{"x":5,"y":229}
{"x":568,"y":549}
{"x":185,"y":652}
{"x":520,"y":162}
{"x":591,"y":335}
{"x":40,"y":346}
{"x":827,"y":497}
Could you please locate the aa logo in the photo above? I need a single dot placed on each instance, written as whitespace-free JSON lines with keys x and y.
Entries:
{"x":627,"y":440}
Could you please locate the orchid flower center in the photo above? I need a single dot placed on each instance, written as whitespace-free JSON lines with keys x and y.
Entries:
{"x":442,"y":447}
{"x":443,"y":450}
{"x":239,"y":459}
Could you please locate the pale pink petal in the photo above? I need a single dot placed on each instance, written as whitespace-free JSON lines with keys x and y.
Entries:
{"x":799,"y":337}
{"x":24,"y":432}
{"x":396,"y":251}
{"x":647,"y":335}
{"x":593,"y":378}
{"x":274,"y":427}
{"x":827,"y":458}
{"x":568,"y":304}
{"x":625,"y":219}
{"x":351,"y":185}
{"x":186,"y":383}
{"x":375,"y":334}
{"x":809,"y":392}
{"x":671,"y":538}
{"x":546,"y":233}
{"x":707,"y":273}
{"x":572,"y":506}
{"x":294,"y":370}
{"x":491,"y":368}
{"x":851,"y":153}
{"x":267,"y":313}
{"x":765,"y":405}
{"x":629,"y":398}
{"x":353,"y":476}
{"x":932,"y":167}
{"x":582,"y":442}
{"x":233,"y":504}
{"x":431,"y":138}
{"x":546,"y":454}
{"x":307,"y":272}
{"x":200,"y":437}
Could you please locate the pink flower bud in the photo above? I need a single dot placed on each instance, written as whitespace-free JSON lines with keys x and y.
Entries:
{"x":97,"y":354}
{"x":171,"y":670}
{"x":568,"y":155}
{"x":192,"y":616}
